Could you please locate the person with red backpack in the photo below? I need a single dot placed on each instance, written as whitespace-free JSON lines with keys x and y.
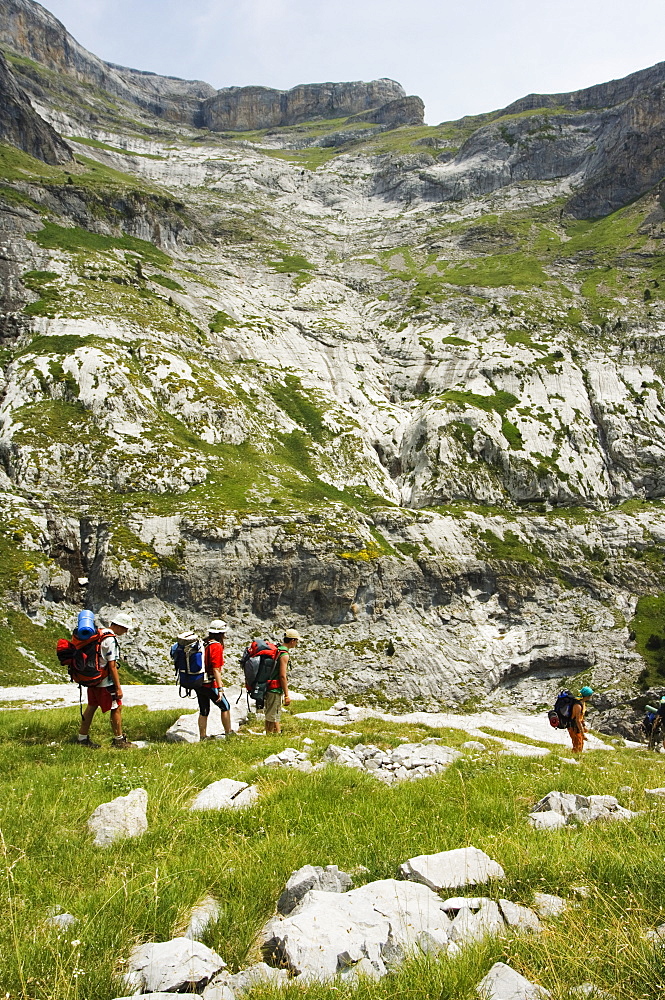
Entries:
{"x":277,"y":685}
{"x":107,"y":692}
{"x":211,"y":693}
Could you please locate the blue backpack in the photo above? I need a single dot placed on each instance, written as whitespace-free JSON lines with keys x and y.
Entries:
{"x":188,"y":665}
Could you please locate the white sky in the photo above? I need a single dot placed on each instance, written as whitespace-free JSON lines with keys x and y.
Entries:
{"x":461,"y":56}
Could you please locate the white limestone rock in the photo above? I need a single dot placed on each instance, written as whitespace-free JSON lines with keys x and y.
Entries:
{"x":61,"y":921}
{"x":226,"y":986}
{"x":547,"y":905}
{"x":473,"y":745}
{"x":504,"y":983}
{"x":226,"y":794}
{"x":654,"y":791}
{"x":122,"y":817}
{"x":548,"y":820}
{"x":202,"y":915}
{"x":289,"y":757}
{"x":329,"y":934}
{"x":452,"y":869}
{"x":656,"y":936}
{"x":171,"y":966}
{"x":473,"y":925}
{"x":520,"y":918}
{"x":328,"y":879}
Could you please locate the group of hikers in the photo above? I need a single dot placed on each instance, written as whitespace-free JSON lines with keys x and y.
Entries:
{"x":92,"y":654}
{"x":91,"y":657}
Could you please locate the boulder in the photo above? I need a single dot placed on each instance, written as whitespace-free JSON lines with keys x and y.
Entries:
{"x":226,"y":794}
{"x":120,"y":818}
{"x":547,"y":905}
{"x":452,"y":869}
{"x":226,"y":987}
{"x":473,"y":925}
{"x":573,"y":808}
{"x":202,"y":915}
{"x":368,"y":929}
{"x":289,"y":757}
{"x":172,"y":966}
{"x":504,"y":983}
{"x":520,"y":918}
{"x":548,"y":820}
{"x":328,"y":879}
{"x":59,"y":920}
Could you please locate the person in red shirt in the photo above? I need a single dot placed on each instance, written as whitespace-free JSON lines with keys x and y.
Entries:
{"x":212,"y":692}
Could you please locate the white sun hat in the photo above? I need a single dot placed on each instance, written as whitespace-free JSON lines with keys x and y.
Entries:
{"x":123,"y":620}
{"x":217,"y":626}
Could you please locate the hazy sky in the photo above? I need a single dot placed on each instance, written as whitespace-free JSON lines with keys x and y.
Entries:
{"x":461,"y":57}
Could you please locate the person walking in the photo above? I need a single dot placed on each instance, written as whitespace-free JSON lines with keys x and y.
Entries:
{"x":212,"y":692}
{"x":277,"y":687}
{"x":577,"y":725}
{"x":107,"y":694}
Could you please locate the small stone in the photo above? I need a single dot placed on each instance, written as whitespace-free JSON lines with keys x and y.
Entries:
{"x":581,"y":891}
{"x":450,"y":869}
{"x":547,"y":905}
{"x":473,"y":745}
{"x":549,"y":820}
{"x":202,"y":915}
{"x":122,"y":817}
{"x":521,"y":918}
{"x":171,"y":966}
{"x":504,"y":983}
{"x":226,"y":794}
{"x":329,"y":879}
{"x":62,"y":921}
{"x":654,"y":791}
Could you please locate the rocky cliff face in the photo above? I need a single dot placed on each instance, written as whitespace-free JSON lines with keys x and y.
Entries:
{"x":244,"y":108}
{"x":375,"y":383}
{"x":22,"y":127}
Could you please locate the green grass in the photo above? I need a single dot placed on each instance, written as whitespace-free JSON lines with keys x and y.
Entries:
{"x":76,"y":240}
{"x":166,"y":282}
{"x":649,"y":627}
{"x":141,"y":889}
{"x":499,"y":402}
{"x":221,"y":321}
{"x":290,"y":396}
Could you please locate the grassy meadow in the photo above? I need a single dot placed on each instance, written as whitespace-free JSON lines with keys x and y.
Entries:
{"x":142,"y":889}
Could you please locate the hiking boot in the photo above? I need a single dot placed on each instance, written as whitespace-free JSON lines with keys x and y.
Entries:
{"x":122,"y":743}
{"x":87,"y":742}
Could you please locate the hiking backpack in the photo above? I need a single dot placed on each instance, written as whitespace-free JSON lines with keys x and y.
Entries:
{"x":559,"y":716}
{"x":647,"y":723}
{"x":82,"y":659}
{"x":188,"y":666}
{"x":258,"y":661}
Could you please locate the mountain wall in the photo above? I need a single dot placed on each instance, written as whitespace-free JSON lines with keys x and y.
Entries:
{"x":22,"y":127}
{"x":377,"y":381}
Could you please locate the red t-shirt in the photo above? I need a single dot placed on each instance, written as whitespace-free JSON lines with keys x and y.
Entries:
{"x":214,"y":657}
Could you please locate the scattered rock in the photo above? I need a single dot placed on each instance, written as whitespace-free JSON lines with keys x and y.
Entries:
{"x":409,"y":761}
{"x":473,"y":925}
{"x":451,"y":869}
{"x":186,"y":728}
{"x":226,"y":794}
{"x":520,"y":918}
{"x":226,"y":986}
{"x":473,"y":745}
{"x":589,"y":990}
{"x":504,"y":983}
{"x":290,"y":757}
{"x":656,"y":936}
{"x":547,"y":905}
{"x":574,"y":808}
{"x":548,"y":820}
{"x":203,"y":914}
{"x":172,"y":966}
{"x":581,"y":891}
{"x":62,"y":921}
{"x":364,"y":931}
{"x":120,"y":818}
{"x":654,"y":791}
{"x":328,"y":879}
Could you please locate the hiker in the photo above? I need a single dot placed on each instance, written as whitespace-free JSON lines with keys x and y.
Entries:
{"x":277,"y":685}
{"x":577,"y":725}
{"x":653,"y":723}
{"x":107,"y":694}
{"x":211,"y":693}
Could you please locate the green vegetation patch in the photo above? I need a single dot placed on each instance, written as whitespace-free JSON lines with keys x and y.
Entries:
{"x":221,"y":321}
{"x":293,"y":398}
{"x":649,"y":627}
{"x":77,"y":240}
{"x":517,"y":270}
{"x":499,"y":402}
{"x":49,"y":299}
{"x":97,"y":144}
{"x":166,"y":282}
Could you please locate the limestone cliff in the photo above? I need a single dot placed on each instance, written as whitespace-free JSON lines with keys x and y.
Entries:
{"x":22,"y":127}
{"x":376,"y":382}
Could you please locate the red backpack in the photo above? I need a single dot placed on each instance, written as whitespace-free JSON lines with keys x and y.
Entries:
{"x":82,"y":659}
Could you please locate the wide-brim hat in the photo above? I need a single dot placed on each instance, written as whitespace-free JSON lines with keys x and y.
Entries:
{"x":123,"y":620}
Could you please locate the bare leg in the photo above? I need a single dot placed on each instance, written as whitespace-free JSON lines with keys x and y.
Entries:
{"x":226,"y":721}
{"x":116,"y":720}
{"x":203,"y":727}
{"x":87,"y":719}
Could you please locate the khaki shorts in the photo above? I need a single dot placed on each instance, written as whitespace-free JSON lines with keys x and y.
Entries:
{"x":273,"y":705}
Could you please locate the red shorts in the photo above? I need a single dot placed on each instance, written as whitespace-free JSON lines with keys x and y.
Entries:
{"x":104,"y":698}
